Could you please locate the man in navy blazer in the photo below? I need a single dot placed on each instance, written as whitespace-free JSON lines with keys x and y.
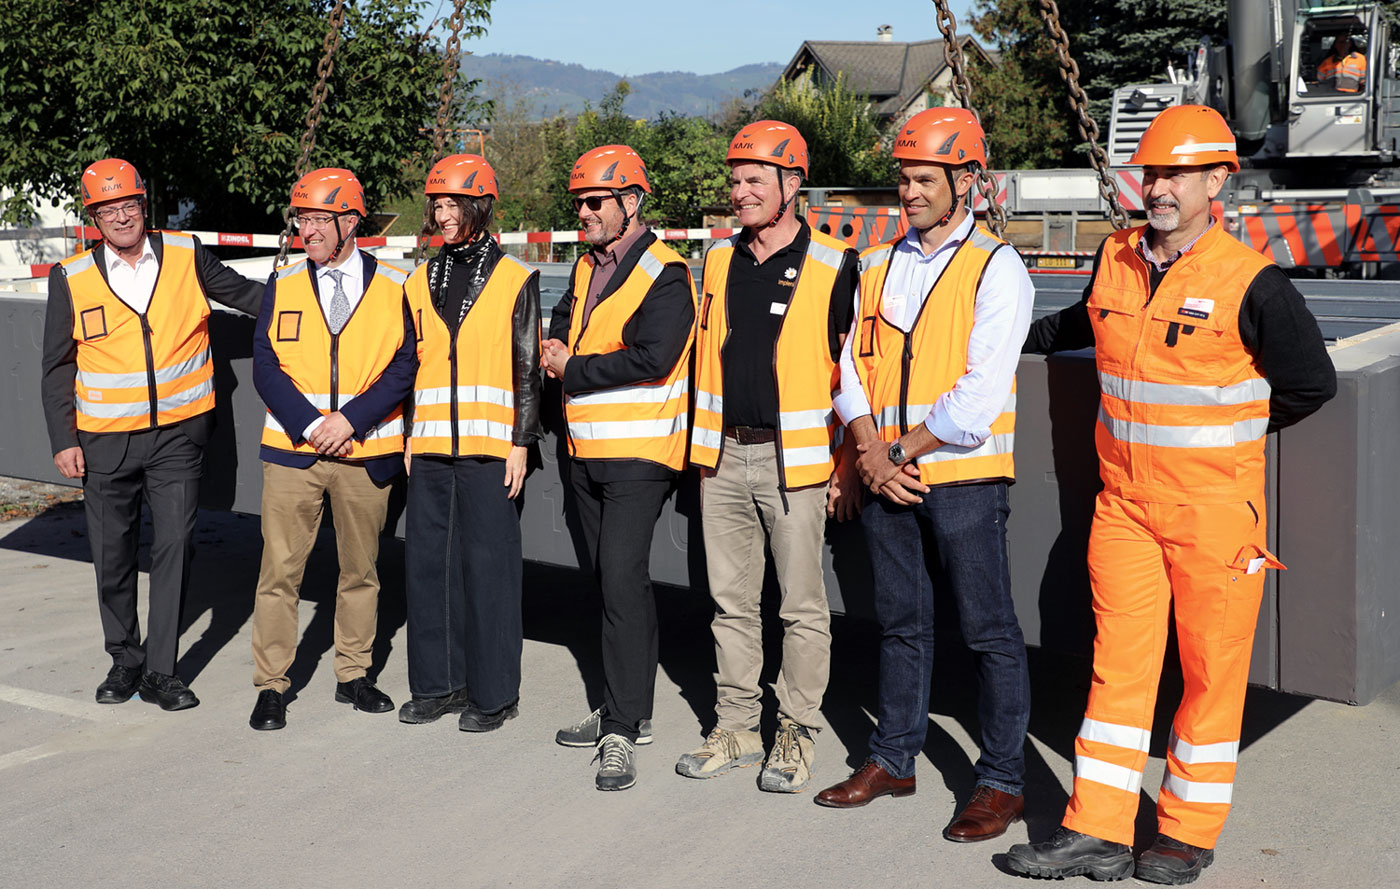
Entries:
{"x":334,"y":360}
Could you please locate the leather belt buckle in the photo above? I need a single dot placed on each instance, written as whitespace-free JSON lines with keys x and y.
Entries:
{"x":750,"y":435}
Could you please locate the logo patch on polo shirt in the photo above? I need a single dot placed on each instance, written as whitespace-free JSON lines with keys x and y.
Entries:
{"x":790,"y":273}
{"x":1196,"y":308}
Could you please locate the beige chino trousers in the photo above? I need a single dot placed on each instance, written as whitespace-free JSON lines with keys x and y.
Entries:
{"x":741,"y":506}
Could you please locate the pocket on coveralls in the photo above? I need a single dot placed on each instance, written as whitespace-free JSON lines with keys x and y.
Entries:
{"x":1246,"y":588}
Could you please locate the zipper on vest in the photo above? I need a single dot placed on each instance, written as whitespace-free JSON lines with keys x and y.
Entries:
{"x":452,"y":382}
{"x":150,"y":366}
{"x":905,"y":364}
{"x":335,"y":372}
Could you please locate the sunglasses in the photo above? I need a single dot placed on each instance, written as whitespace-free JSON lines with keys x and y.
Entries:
{"x":594,"y":203}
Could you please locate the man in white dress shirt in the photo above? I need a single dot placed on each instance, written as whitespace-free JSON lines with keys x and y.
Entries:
{"x":927,"y":391}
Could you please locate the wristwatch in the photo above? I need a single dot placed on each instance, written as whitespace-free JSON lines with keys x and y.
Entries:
{"x":897,"y":455}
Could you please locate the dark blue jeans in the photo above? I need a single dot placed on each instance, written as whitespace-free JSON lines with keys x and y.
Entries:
{"x":959,"y":530}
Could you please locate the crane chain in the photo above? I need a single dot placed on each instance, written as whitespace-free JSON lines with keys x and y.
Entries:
{"x":313,"y":117}
{"x":962,"y":88}
{"x":1079,"y":104}
{"x":450,"y":61}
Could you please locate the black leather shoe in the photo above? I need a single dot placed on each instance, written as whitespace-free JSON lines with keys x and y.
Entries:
{"x":362,"y":693}
{"x":1069,"y":853}
{"x":473,"y":720}
{"x":120,"y":685}
{"x":270,"y":712}
{"x":428,"y":709}
{"x":167,"y":691}
{"x":1173,"y":862}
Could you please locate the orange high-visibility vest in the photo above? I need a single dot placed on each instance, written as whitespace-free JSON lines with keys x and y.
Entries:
{"x":1348,"y":74}
{"x":464,"y":395}
{"x":141,"y":371}
{"x":803,"y":369}
{"x":330,"y":370}
{"x":1184,"y":409}
{"x":643,"y":421}
{"x":904,"y":375}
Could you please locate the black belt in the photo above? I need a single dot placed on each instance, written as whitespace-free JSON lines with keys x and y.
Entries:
{"x":750,"y":435}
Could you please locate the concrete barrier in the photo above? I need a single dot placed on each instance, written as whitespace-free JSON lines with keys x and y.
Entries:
{"x":1329,"y":626}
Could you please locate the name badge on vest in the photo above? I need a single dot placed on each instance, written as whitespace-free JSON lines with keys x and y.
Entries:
{"x":1196,"y":308}
{"x":777,"y":308}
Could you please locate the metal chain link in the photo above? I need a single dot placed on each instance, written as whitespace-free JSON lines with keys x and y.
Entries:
{"x":1079,"y":103}
{"x":962,"y":88}
{"x":451,"y":59}
{"x":313,"y":118}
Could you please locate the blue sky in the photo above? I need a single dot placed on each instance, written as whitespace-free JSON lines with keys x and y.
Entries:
{"x":705,"y":37}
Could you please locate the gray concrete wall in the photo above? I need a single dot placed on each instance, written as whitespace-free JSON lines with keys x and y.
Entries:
{"x":1327,"y":625}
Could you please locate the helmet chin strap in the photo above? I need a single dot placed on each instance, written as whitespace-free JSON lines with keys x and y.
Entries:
{"x":782,"y":205}
{"x":626,"y":220}
{"x":953,"y":200}
{"x":339,"y":240}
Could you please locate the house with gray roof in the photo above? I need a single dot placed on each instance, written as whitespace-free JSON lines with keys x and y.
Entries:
{"x":901,"y":79}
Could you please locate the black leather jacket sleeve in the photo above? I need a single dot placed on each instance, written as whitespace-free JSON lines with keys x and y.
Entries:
{"x":525,"y":355}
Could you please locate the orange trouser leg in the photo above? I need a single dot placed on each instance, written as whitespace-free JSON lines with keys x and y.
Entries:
{"x":1217,"y":606}
{"x":1128,"y":574}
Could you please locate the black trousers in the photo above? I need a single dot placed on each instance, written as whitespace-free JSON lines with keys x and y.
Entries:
{"x":462,"y":554}
{"x":618,"y":518}
{"x":162,"y":468}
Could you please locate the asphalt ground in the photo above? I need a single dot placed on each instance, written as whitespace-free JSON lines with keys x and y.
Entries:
{"x":129,"y":795}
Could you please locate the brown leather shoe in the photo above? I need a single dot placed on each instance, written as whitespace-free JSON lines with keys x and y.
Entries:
{"x":868,"y":782}
{"x":986,"y":815}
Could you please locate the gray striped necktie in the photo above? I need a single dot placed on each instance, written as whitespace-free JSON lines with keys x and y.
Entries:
{"x":340,"y":303}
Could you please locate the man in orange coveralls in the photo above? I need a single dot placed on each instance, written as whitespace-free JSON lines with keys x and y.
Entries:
{"x":1203,"y":346}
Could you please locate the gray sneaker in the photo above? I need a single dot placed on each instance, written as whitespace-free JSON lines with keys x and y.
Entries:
{"x":585,"y":734}
{"x":617,"y":769}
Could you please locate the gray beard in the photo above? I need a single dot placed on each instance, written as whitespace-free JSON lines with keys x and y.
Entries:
{"x":1165,"y":224}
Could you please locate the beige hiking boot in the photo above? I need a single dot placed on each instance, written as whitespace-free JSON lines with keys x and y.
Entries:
{"x":789,"y":766}
{"x":723,"y":750}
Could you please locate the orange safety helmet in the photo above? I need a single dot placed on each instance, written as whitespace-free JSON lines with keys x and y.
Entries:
{"x":770,"y":142}
{"x":468,"y":175}
{"x":110,"y":180}
{"x":942,"y":136}
{"x":609,"y":166}
{"x":331,"y":189}
{"x":1187,"y":136}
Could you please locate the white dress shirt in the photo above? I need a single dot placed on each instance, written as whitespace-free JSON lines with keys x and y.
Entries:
{"x":352,"y":282}
{"x":133,"y":285}
{"x":1001,"y":315}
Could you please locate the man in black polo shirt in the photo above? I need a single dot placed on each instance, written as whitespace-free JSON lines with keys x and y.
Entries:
{"x":777,"y":302}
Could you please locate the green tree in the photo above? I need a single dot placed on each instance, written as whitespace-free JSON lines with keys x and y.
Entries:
{"x":1115,"y":42}
{"x":208,"y":100}
{"x":844,"y":144}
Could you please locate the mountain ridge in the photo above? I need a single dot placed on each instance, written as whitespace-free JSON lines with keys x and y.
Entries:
{"x":549,"y":87}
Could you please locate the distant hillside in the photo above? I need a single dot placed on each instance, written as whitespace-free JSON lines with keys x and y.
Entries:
{"x":553,"y":87}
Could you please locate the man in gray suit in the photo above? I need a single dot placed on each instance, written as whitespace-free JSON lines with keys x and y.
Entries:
{"x":128,"y":394}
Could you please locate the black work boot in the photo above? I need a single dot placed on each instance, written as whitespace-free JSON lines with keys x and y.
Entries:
{"x":1173,"y":862}
{"x":1069,"y":853}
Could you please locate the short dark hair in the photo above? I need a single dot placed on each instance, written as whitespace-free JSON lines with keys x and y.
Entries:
{"x":477,"y":213}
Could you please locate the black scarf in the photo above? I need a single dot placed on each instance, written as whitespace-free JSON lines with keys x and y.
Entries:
{"x":458,"y":274}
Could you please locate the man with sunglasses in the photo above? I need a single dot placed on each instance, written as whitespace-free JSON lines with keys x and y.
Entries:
{"x":334,"y":358}
{"x":128,"y":394}
{"x":619,"y":343}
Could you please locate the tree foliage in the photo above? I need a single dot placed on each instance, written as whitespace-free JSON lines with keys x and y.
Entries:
{"x":1024,"y":102}
{"x":844,"y":144}
{"x":208,"y":100}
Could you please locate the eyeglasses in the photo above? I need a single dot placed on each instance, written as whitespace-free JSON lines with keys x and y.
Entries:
{"x":107,"y":214}
{"x":319,"y":221}
{"x":594,"y":203}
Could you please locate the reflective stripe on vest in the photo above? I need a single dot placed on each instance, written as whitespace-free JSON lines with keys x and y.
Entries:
{"x":903,"y":384}
{"x":1184,"y":410}
{"x":804,"y":372}
{"x":138,"y":371}
{"x":351,"y":361}
{"x":645,"y":421}
{"x":469,"y":381}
